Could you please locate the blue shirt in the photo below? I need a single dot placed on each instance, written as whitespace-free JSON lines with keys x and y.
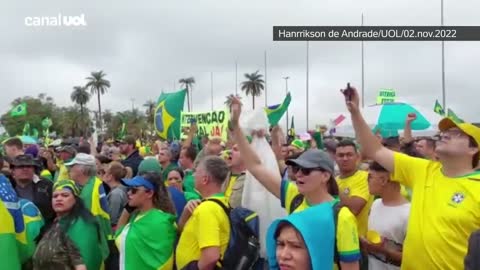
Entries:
{"x":178,"y":200}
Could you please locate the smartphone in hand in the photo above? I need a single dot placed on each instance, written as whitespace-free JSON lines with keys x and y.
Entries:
{"x":348,"y":92}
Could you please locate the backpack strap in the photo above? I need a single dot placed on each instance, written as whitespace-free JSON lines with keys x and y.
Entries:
{"x":227,"y":212}
{"x":224,"y":207}
{"x":336,"y":210}
{"x":296,"y":202}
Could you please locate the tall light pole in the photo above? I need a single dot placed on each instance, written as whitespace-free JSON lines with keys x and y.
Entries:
{"x":133,"y":103}
{"x":444,"y":100}
{"x":211,"y":81}
{"x":286,"y":91}
{"x":363,"y":73}
{"x":307,"y":86}
{"x":236,"y":78}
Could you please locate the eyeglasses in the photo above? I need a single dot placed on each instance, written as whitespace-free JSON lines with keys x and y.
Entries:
{"x":306,"y":171}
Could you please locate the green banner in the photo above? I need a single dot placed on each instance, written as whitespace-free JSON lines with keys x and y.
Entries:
{"x":211,"y":124}
{"x":386,"y":96}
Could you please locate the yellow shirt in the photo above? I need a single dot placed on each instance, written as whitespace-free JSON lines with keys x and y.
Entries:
{"x":444,"y":212}
{"x":207,"y":227}
{"x":357,"y":186}
{"x":346,"y":232}
{"x":231,"y":182}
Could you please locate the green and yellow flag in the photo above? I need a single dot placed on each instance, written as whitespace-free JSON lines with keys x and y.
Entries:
{"x":26,"y":129}
{"x":123,"y":131}
{"x":84,"y":235}
{"x":438,"y":108}
{"x":275,"y":112}
{"x":94,"y":197}
{"x":167,"y":114}
{"x":142,"y":247}
{"x":454,"y":117}
{"x":8,"y":243}
{"x":19,"y":110}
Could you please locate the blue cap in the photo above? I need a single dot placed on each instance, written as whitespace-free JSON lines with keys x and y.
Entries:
{"x":139,"y":181}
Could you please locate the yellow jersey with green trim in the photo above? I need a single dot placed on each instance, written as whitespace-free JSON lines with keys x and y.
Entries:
{"x":444,"y":212}
{"x":356,"y":185}
{"x":348,"y":245}
{"x":208,"y":226}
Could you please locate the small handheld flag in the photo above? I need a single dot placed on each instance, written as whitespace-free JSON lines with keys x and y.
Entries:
{"x":438,"y":108}
{"x":19,"y":110}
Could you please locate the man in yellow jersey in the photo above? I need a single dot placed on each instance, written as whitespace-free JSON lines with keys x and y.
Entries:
{"x":315,"y":185}
{"x":205,"y":227}
{"x":236,"y":179}
{"x":445,"y":207}
{"x":353,"y":184}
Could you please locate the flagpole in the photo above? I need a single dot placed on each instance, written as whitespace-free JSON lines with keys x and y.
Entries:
{"x":286,"y":93}
{"x":211,"y":81}
{"x":236,"y":78}
{"x":363,"y":73}
{"x":265,"y":78}
{"x":307,"y":85}
{"x":444,"y":101}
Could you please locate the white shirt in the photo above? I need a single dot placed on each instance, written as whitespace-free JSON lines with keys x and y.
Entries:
{"x":391,"y":223}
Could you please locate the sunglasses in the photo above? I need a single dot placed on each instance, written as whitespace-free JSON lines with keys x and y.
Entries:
{"x":306,"y":171}
{"x":134,"y":190}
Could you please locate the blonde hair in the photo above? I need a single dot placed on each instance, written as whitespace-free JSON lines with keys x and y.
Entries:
{"x":117,"y":170}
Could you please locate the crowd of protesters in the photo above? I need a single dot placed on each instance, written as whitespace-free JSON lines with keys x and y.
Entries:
{"x":371,"y":203}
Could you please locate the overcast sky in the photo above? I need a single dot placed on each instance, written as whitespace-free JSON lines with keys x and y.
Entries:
{"x":146,"y":46}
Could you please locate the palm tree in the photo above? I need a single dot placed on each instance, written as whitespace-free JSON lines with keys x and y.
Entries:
{"x":188,"y":84}
{"x":98,"y":85}
{"x":254,"y":85}
{"x":229,"y":100}
{"x":80,"y":96}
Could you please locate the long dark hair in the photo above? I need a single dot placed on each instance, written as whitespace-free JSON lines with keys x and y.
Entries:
{"x":78,"y":211}
{"x":161,"y":196}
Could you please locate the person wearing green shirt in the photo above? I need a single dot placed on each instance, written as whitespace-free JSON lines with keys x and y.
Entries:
{"x":165,"y":159}
{"x":82,"y":171}
{"x":187,"y":159}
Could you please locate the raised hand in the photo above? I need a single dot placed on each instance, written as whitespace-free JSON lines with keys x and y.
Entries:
{"x":352,"y":99}
{"x":411,"y":117}
{"x":236,"y":110}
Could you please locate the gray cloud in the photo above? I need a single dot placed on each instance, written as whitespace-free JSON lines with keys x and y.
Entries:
{"x":147,"y":46}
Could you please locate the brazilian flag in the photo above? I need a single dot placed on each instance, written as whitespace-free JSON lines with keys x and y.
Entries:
{"x":143,"y":246}
{"x":275,"y":112}
{"x":167,"y":114}
{"x":454,"y":117}
{"x":19,"y":110}
{"x":438,"y":108}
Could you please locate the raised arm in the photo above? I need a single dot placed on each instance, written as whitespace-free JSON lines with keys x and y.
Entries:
{"x":270,"y":180}
{"x":407,"y":131}
{"x":371,"y":147}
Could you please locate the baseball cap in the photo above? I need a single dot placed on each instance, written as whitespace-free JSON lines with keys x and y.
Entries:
{"x":467,"y":128}
{"x":313,"y":158}
{"x":82,"y":159}
{"x":139,"y":181}
{"x":149,"y":165}
{"x":69,"y":149}
{"x":24,"y":160}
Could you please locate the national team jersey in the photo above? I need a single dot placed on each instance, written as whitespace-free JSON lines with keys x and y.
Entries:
{"x":444,"y":212}
{"x":356,"y":185}
{"x":346,"y":232}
